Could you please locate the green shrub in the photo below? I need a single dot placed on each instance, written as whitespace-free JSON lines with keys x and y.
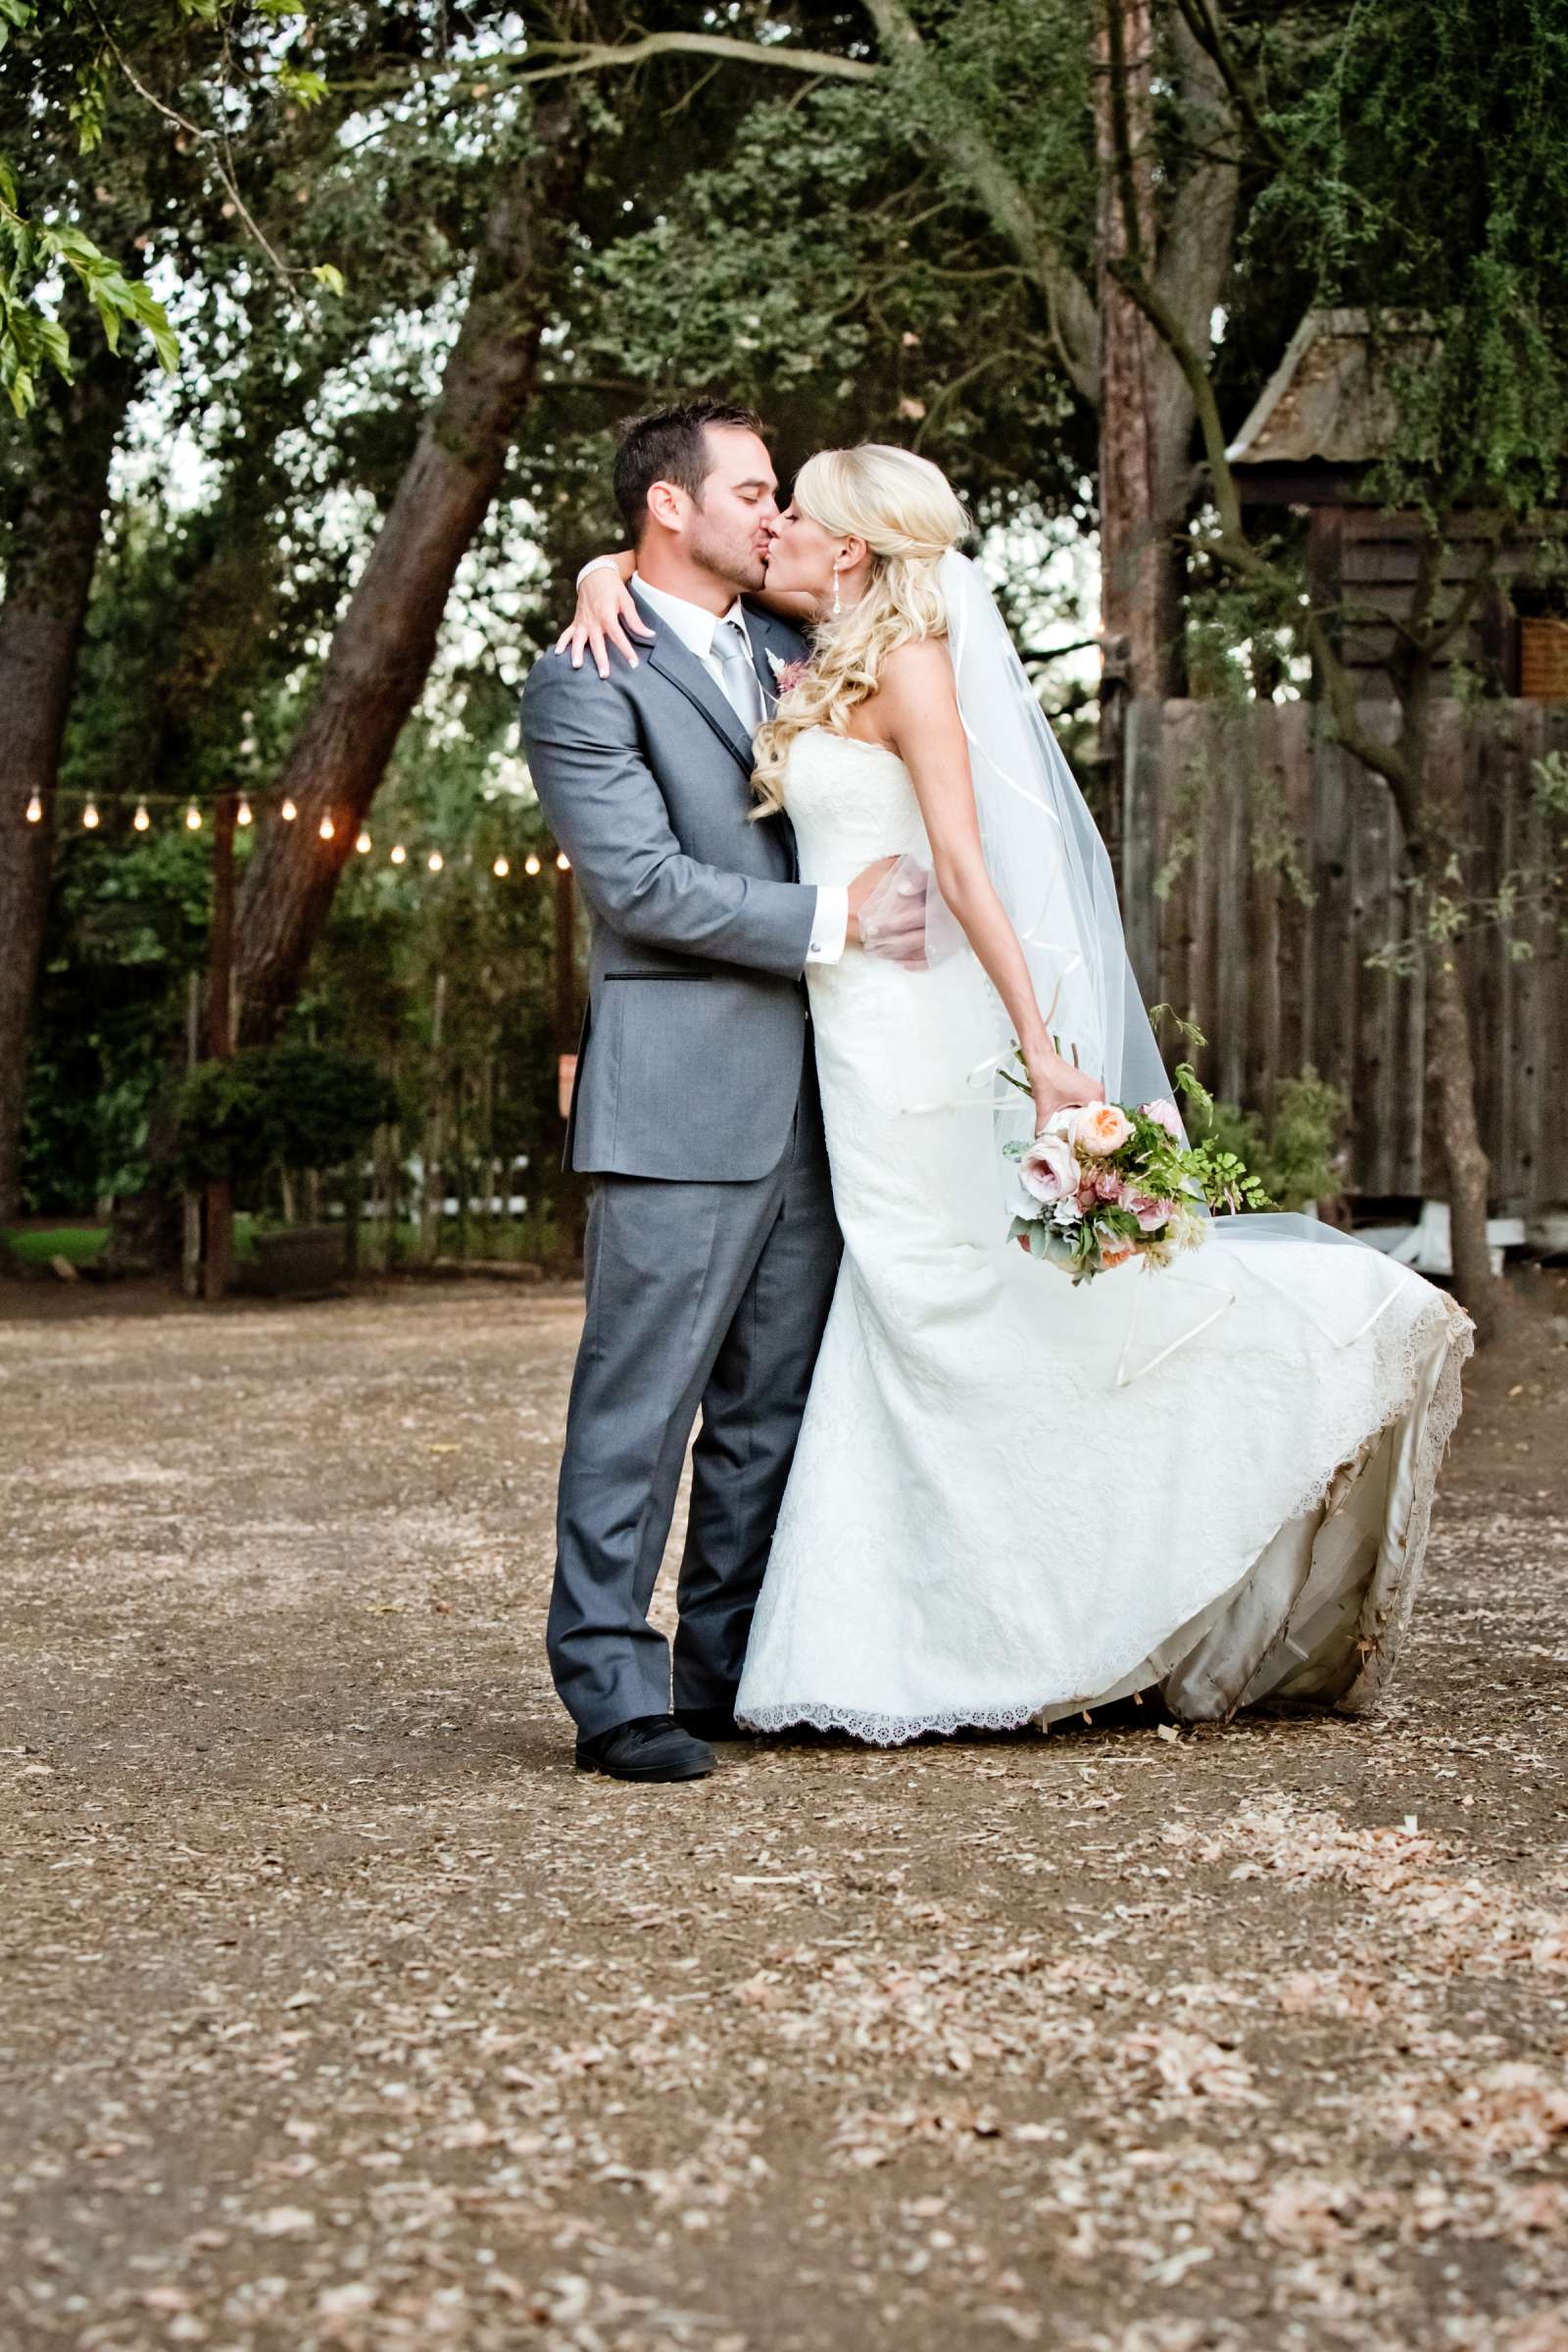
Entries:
{"x":268,"y":1107}
{"x":1295,"y":1153}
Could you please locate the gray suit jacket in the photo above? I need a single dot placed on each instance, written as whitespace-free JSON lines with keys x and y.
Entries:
{"x":691,"y":1058}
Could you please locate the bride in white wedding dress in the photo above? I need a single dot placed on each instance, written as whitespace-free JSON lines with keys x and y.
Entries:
{"x":994,"y":1511}
{"x":1014,"y":1498}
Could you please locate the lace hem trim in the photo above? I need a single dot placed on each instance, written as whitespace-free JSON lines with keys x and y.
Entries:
{"x":1442,"y":1414}
{"x":891,"y":1730}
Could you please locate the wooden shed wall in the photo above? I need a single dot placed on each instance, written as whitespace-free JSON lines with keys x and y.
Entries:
{"x":1278,"y":980}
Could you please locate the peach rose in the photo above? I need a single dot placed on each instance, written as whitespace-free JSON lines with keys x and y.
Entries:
{"x":1115,"y":1249}
{"x":1101,"y":1128}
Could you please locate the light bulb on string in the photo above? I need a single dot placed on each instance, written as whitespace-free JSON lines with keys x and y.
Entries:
{"x":435,"y":862}
{"x":363,"y":845}
{"x":193,"y":818}
{"x":563,"y":862}
{"x":399,"y":852}
{"x":35,"y":810}
{"x":502,"y":866}
{"x":326,"y":828}
{"x":530,"y":865}
{"x":141,"y":820}
{"x":89,"y":816}
{"x":288,"y":813}
{"x":242,"y":815}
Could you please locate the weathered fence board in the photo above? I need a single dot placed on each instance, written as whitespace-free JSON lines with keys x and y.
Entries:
{"x":1261,"y":873}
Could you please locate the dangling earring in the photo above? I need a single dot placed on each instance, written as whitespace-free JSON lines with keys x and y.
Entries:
{"x":837,"y":599}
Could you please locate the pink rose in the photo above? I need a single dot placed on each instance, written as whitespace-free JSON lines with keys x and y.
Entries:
{"x":1150,"y":1212}
{"x":1165,"y":1114}
{"x":1048,"y":1170}
{"x":1102,"y":1128}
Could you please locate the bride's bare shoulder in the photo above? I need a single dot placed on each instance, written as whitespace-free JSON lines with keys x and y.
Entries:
{"x":918,"y":659}
{"x":916,"y":680}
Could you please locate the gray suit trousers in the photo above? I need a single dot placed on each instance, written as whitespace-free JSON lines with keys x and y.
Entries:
{"x":700,"y":1296}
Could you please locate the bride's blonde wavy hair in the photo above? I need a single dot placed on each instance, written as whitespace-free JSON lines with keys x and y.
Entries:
{"x":909,"y":514}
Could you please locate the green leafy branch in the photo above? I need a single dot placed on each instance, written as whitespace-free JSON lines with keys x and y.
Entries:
{"x":32,"y":250}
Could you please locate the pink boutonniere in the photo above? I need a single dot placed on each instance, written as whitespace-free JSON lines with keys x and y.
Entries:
{"x":787,"y":673}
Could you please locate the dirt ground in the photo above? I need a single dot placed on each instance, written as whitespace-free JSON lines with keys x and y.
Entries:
{"x":339,"y":2011}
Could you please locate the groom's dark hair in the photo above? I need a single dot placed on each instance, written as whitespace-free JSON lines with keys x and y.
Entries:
{"x":667,"y":446}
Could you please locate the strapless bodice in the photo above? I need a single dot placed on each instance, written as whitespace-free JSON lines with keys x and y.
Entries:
{"x":849,"y":803}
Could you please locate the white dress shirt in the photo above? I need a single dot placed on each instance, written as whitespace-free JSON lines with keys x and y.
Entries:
{"x":695,"y":628}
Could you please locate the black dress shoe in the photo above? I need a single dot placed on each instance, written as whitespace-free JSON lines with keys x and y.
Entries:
{"x":650,"y":1748}
{"x":712,"y":1723}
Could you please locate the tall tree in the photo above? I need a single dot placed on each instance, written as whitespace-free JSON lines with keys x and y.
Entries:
{"x":56,"y":527}
{"x":383,"y":645}
{"x":137,"y":120}
{"x":1042,"y":175}
{"x":1402,"y":172}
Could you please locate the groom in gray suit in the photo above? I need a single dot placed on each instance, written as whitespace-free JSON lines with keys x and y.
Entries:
{"x":711,"y":1246}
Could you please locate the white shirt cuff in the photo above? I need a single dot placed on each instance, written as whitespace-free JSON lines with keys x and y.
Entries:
{"x":595,"y":563}
{"x":830,"y":925}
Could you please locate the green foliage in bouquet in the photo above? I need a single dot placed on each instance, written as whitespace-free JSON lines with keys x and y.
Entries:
{"x":1120,"y":1181}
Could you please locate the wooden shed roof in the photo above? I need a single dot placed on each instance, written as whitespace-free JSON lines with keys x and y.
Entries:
{"x":1324,"y":401}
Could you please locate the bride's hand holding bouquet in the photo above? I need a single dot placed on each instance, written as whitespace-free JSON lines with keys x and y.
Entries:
{"x":1105,"y":1184}
{"x":1057,"y":1084}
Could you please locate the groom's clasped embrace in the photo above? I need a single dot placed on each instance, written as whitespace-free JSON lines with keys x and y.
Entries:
{"x":856,"y":947}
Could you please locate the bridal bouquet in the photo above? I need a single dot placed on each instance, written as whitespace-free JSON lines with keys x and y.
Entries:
{"x":1111,"y":1182}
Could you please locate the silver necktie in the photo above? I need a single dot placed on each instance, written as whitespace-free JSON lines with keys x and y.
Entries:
{"x":743,"y":688}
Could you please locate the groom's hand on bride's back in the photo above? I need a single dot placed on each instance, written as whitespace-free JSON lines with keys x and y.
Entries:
{"x":888,"y":912}
{"x":605,"y":612}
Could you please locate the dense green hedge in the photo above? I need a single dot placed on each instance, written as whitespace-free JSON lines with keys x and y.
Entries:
{"x":288,"y":1106}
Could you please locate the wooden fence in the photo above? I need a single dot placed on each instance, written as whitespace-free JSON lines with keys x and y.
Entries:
{"x":1261,"y":870}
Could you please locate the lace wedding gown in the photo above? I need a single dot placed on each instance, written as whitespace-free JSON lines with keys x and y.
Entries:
{"x":1008,"y":1502}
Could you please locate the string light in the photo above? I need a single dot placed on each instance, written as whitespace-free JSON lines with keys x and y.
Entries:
{"x":502,"y":864}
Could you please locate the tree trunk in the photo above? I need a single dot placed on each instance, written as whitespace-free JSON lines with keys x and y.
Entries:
{"x":434,"y":1142}
{"x":54,"y":545}
{"x":219,"y":1227}
{"x":1433,"y":760}
{"x":1451,"y":1069}
{"x":384,"y":646}
{"x":1145,"y":404}
{"x":1137,"y":602}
